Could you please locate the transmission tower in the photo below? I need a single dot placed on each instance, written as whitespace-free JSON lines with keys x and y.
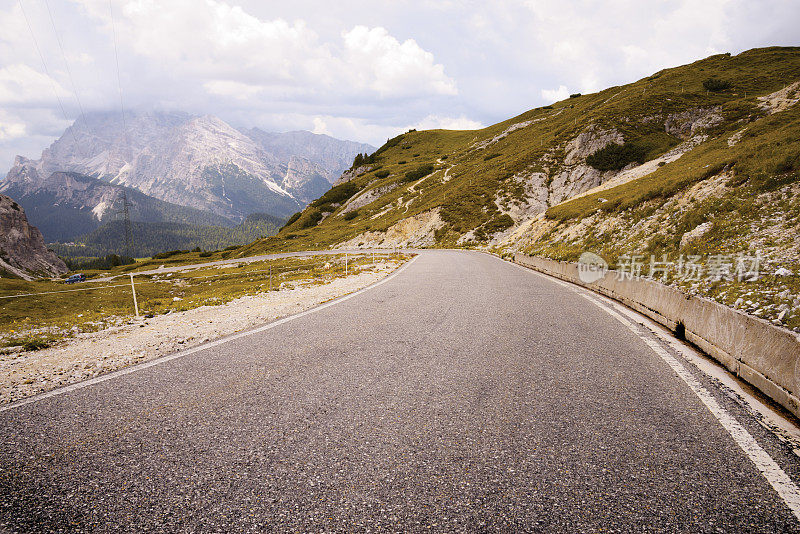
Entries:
{"x":126,"y":217}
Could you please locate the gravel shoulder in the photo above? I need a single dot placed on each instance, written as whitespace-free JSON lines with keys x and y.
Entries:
{"x":24,"y":374}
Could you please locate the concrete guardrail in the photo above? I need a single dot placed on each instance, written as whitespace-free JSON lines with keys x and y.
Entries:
{"x":766,"y":356}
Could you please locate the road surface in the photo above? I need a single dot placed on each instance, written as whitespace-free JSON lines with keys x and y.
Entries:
{"x":462,"y":394}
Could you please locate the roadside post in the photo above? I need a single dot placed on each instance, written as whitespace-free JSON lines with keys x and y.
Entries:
{"x":135,"y":303}
{"x":270,"y":277}
{"x":345,"y":263}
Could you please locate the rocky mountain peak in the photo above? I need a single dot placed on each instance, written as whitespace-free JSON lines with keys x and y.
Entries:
{"x":201,"y":162}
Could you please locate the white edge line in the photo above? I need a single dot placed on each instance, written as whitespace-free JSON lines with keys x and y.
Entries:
{"x":776,"y":476}
{"x":211,"y":344}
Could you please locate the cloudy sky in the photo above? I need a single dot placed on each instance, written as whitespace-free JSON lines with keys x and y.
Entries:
{"x":361,"y":70}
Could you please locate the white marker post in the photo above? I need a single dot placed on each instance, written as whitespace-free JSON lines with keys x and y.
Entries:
{"x":135,"y":304}
{"x":345,"y":264}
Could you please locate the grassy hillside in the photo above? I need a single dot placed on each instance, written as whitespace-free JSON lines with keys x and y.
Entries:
{"x":476,"y":187}
{"x":735,"y":195}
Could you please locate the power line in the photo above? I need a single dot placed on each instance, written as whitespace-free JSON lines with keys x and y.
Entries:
{"x":125,"y":204}
{"x":66,"y":64}
{"x":119,"y":78}
{"x":46,"y":72}
{"x":128,"y":228}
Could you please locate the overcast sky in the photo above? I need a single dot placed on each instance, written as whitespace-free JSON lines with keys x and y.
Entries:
{"x":361,"y":70}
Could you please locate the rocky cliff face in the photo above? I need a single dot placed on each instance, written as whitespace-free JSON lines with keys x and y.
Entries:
{"x":22,"y":249}
{"x":198,"y":162}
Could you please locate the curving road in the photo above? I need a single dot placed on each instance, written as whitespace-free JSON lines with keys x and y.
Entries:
{"x":464,"y":393}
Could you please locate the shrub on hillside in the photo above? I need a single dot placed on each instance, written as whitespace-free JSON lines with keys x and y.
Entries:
{"x":492,"y":226}
{"x":614,"y":157}
{"x":312,"y":217}
{"x":788,"y":164}
{"x":382,"y":174}
{"x":337,"y":194}
{"x":716,"y":85}
{"x":350,"y":215}
{"x":419,"y":172}
{"x":362,"y":159}
{"x":292,"y":219}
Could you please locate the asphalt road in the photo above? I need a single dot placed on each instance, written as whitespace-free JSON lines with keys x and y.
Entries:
{"x":465,"y":393}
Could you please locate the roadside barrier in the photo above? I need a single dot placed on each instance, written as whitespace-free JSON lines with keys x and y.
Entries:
{"x":762,"y":354}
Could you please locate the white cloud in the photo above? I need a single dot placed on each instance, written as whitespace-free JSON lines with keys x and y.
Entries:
{"x":10,"y":129}
{"x":20,"y":84}
{"x":554,"y":95}
{"x":233,"y":89}
{"x":218,"y":43}
{"x":433,"y":122}
{"x":320,"y":127}
{"x":215,"y":39}
{"x":382,"y":63}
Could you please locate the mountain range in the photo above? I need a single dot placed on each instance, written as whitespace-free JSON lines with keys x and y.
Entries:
{"x":173,"y":167}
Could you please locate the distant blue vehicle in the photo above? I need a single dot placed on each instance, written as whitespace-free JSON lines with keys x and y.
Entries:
{"x":75,"y":278}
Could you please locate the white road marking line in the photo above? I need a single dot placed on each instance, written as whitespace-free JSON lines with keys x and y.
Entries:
{"x":776,"y":476}
{"x":763,"y":461}
{"x":711,"y":369}
{"x":187,"y":352}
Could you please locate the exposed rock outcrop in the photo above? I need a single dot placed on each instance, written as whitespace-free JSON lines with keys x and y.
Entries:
{"x":349,"y":174}
{"x":781,"y":100}
{"x":416,"y":231}
{"x":22,"y":249}
{"x":363,"y":199}
{"x":590,"y":141}
{"x":691,"y":122}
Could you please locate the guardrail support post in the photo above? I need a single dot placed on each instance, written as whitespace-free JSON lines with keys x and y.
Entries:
{"x":135,"y":303}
